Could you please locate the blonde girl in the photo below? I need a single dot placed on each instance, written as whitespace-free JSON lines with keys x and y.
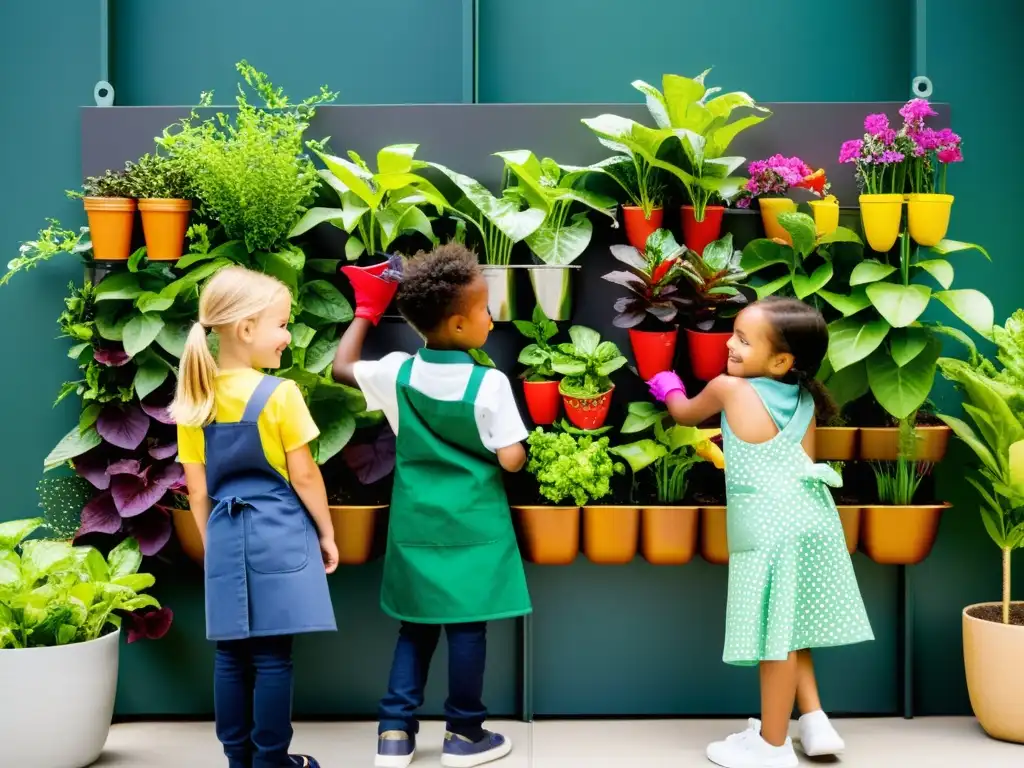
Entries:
{"x":261,"y":507}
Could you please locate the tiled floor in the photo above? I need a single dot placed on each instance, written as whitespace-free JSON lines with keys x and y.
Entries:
{"x":874,"y":743}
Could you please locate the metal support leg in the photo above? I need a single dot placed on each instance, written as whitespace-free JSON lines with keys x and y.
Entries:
{"x":906,"y":622}
{"x":526,"y":669}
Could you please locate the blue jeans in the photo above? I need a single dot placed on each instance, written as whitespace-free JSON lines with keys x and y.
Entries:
{"x":467,"y":655}
{"x":252,"y":700}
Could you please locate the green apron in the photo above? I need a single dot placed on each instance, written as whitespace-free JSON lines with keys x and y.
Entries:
{"x":452,"y":555}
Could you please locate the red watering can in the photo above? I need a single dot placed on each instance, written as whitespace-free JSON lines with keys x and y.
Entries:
{"x":373,"y":291}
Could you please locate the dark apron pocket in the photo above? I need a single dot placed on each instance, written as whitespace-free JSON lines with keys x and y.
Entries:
{"x":277,"y":540}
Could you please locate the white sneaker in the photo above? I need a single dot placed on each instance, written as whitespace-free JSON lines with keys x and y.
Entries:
{"x":818,"y":737}
{"x":748,"y":750}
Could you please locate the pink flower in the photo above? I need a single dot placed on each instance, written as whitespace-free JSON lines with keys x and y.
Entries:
{"x":888,"y":136}
{"x":946,"y":138}
{"x":950,"y":155}
{"x":850,"y":151}
{"x":743,"y":202}
{"x":916,"y":110}
{"x":876,"y":124}
{"x":889,"y":157}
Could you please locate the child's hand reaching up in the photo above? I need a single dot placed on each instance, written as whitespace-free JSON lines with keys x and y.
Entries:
{"x":330,"y":552}
{"x":664,"y":384}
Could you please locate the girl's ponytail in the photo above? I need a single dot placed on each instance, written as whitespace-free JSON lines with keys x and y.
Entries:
{"x":824,"y":406}
{"x":194,"y":404}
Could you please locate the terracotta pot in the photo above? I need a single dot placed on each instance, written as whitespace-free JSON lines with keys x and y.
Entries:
{"x":995,"y":675}
{"x":714,"y":540}
{"x":826,"y":215}
{"x":164,"y":223}
{"x":588,"y":412}
{"x":709,"y":354}
{"x":187,"y":531}
{"x":882,"y":443}
{"x":551,"y":535}
{"x":850,"y":518}
{"x":654,"y":351}
{"x":542,"y":401}
{"x":880,"y":215}
{"x":610,"y":534}
{"x":354,"y":531}
{"x":893,"y":535}
{"x":771,"y":207}
{"x":639,"y":228}
{"x":668,"y":535}
{"x":697,"y":234}
{"x":928,"y":217}
{"x":110,"y":225}
{"x":835,"y":443}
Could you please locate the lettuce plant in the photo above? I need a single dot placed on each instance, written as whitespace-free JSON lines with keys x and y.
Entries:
{"x":53,"y":593}
{"x":571,"y":467}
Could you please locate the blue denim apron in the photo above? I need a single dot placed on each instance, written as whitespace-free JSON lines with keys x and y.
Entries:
{"x":264,"y":571}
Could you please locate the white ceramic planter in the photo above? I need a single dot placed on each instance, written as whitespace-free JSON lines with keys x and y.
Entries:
{"x":57,"y":703}
{"x":501,"y":289}
{"x":552,"y":287}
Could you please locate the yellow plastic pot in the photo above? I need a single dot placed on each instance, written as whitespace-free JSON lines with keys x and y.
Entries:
{"x":826,"y":215}
{"x":880,"y":215}
{"x":771,"y":207}
{"x":928,"y":217}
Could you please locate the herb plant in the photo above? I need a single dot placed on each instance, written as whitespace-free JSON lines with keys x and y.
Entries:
{"x":586,"y":362}
{"x":898,"y":482}
{"x":109,"y":184}
{"x":158,"y":177}
{"x":653,"y":283}
{"x":537,"y":356}
{"x":570,"y":467}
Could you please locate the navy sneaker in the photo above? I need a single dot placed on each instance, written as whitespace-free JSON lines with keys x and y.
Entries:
{"x":395,"y":749}
{"x":460,"y":752}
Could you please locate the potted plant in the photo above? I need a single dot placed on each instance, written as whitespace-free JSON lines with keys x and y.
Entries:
{"x":881,"y":169}
{"x":668,"y":527}
{"x":586,"y":364}
{"x":881,"y":346}
{"x":847,"y":505}
{"x":61,"y":609}
{"x":928,"y":205}
{"x":901,"y":528}
{"x":110,"y":209}
{"x":650,"y":311}
{"x":567,"y":467}
{"x":164,"y":191}
{"x":717,"y":295}
{"x":540,"y":385}
{"x":701,"y":119}
{"x":993,"y":633}
{"x":561,"y":238}
{"x":769,"y":182}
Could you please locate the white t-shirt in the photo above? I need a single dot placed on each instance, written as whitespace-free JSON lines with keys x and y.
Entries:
{"x":497,"y":415}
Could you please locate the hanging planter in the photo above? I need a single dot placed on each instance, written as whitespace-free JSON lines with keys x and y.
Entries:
{"x":610,"y":534}
{"x":882,"y":443}
{"x":698,"y":234}
{"x":835,"y":443}
{"x":188,"y":534}
{"x":771,"y":207}
{"x":111,"y":220}
{"x":826,"y":215}
{"x":850,"y":519}
{"x":654,"y":351}
{"x":552,"y":288}
{"x":543,"y":401}
{"x":880,"y":216}
{"x":900,"y":535}
{"x":550,"y":535}
{"x":668,"y":535}
{"x":355,"y":531}
{"x":640,"y":227}
{"x":928,"y":217}
{"x":709,"y":354}
{"x":501,"y":292}
{"x":587,"y":412}
{"x":164,"y":223}
{"x":714,"y":539}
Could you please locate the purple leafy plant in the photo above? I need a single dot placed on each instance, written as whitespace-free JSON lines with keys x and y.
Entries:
{"x":371,"y":462}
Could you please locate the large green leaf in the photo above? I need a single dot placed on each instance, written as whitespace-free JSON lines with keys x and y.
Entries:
{"x":940,"y":269}
{"x":123,"y":285}
{"x":840,"y":235}
{"x":321,"y":352}
{"x":1015,"y":465}
{"x":151,"y":373}
{"x":500,"y":212}
{"x":762,"y":253}
{"x":656,"y":104}
{"x":320,"y":298}
{"x":719,"y":254}
{"x":804,"y":285}
{"x":945,"y":247}
{"x":851,"y":341}
{"x":13,"y":532}
{"x":585,"y":340}
{"x":172,"y":337}
{"x":124,"y":559}
{"x":641,"y":454}
{"x":561,"y":246}
{"x":356,"y":179}
{"x":900,"y":305}
{"x":112,"y":318}
{"x":856,"y":302}
{"x":849,"y":384}
{"x":870,"y":271}
{"x":337,"y":425}
{"x":801,"y":228}
{"x":971,"y":306}
{"x":773,"y":287}
{"x":140,"y":332}
{"x":40,"y":558}
{"x":74,"y":443}
{"x":397,"y":158}
{"x":623,"y":134}
{"x":907,"y":343}
{"x":314,"y":217}
{"x":641,"y":416}
{"x":902,"y":391}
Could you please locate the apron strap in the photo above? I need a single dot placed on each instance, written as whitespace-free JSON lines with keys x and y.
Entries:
{"x":476,"y":378}
{"x":405,"y":372}
{"x":258,"y":399}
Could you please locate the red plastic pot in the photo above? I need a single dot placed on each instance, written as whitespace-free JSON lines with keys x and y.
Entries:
{"x":653,"y":351}
{"x":588,"y":412}
{"x":542,"y":401}
{"x":697,"y":234}
{"x":638,"y":229}
{"x":373,"y":293}
{"x":709,"y":354}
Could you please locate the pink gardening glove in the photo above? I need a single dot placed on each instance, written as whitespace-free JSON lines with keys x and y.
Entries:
{"x":664,"y":384}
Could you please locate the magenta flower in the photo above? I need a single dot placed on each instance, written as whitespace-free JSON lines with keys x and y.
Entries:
{"x":888,"y":157}
{"x":888,"y":136}
{"x":850,"y":151}
{"x":946,"y":138}
{"x":743,"y":202}
{"x":950,"y":155}
{"x":876,"y":124}
{"x":916,"y":110}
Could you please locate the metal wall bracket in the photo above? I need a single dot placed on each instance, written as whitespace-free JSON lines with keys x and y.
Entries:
{"x":103,"y":91}
{"x":921,"y":85}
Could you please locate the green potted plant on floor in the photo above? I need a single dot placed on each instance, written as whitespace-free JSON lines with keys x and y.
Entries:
{"x":540,"y":382}
{"x":993,"y":633}
{"x":586,"y":364}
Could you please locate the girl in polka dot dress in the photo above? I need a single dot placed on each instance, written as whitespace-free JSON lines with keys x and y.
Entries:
{"x":791,"y":582}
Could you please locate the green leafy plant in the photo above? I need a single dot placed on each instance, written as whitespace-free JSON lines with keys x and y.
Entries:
{"x":671,"y":453}
{"x":500,"y":221}
{"x":109,"y":184}
{"x":653,"y":283}
{"x":555,"y":189}
{"x":804,"y":268}
{"x":158,"y":177}
{"x":377,"y":207}
{"x":994,"y":401}
{"x":53,"y":593}
{"x":537,"y":356}
{"x":897,"y":482}
{"x":881,"y":344}
{"x":52,"y":240}
{"x":717,"y":279}
{"x":586,"y":362}
{"x":571,"y":467}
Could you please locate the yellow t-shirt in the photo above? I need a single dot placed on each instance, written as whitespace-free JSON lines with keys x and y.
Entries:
{"x":284,"y":425}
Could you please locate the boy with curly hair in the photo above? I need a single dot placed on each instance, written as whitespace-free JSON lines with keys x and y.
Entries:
{"x":452,"y":559}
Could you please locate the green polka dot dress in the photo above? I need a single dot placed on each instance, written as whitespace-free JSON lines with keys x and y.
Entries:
{"x":791,"y":582}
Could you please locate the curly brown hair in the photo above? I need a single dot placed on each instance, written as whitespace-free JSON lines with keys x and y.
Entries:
{"x":433,"y":284}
